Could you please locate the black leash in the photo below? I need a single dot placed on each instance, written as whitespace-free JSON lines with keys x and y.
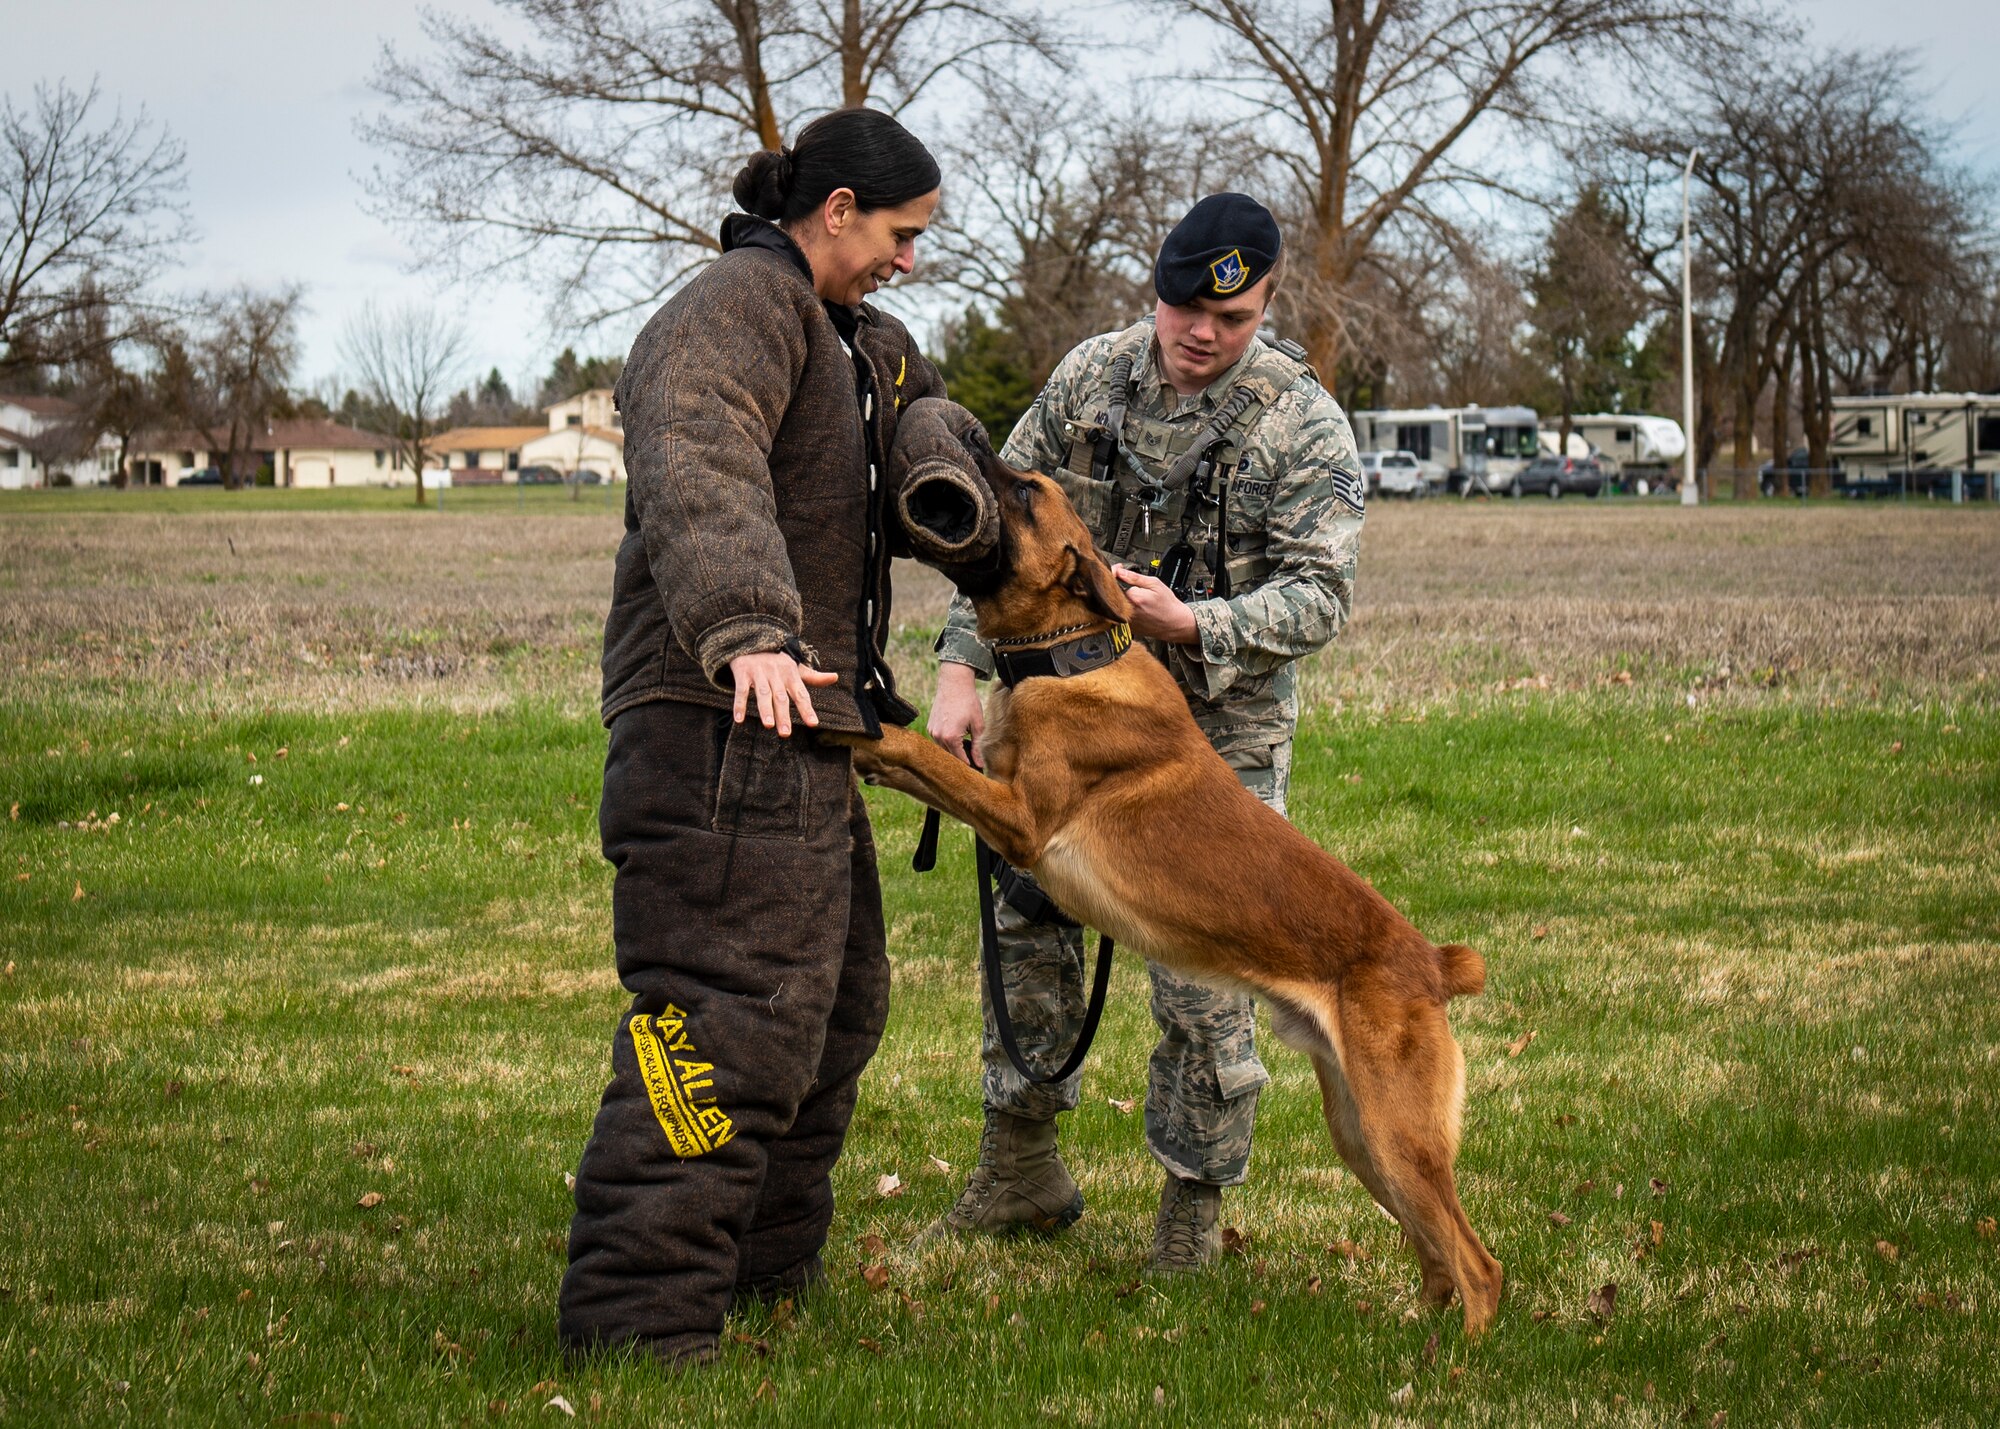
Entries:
{"x":989,"y":865}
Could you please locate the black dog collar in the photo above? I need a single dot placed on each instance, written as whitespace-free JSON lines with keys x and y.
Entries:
{"x":1070,"y":657}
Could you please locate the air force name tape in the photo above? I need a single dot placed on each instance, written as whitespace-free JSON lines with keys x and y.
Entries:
{"x":1226,"y":243}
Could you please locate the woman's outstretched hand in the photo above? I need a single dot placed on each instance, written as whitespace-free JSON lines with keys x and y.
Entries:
{"x":779,"y":682}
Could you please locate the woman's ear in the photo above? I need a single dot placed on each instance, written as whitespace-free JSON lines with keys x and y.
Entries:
{"x":838,"y":211}
{"x":1091,"y":581}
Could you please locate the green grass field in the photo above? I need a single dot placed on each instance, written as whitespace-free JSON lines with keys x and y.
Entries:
{"x":278,"y":965}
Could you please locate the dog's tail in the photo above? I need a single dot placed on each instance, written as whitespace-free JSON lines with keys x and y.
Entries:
{"x":1464,"y":971}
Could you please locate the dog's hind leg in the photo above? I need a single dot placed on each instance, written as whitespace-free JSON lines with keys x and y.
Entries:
{"x":1301,"y":1031}
{"x":1407,"y":1080}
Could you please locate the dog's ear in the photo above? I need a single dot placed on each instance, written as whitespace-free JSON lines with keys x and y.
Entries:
{"x":1091,"y":581}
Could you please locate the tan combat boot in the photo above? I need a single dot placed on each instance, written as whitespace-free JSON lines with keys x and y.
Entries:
{"x":1020,"y":1183}
{"x":1185,"y":1237}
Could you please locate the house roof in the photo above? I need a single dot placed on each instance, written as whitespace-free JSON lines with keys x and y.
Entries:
{"x":608,"y":434}
{"x":316,"y":435}
{"x":578,"y":397}
{"x":466,"y":439}
{"x":41,"y":406}
{"x":308,"y":434}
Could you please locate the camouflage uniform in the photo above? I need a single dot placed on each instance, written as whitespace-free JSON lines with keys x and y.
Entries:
{"x":1292,"y":533}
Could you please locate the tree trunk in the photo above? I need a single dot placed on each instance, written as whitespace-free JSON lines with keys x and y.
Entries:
{"x":1781,"y":418}
{"x":853,"y":79}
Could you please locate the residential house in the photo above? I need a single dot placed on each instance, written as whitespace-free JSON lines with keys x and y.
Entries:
{"x":481,"y":454}
{"x":304,"y":452}
{"x":38,"y":446}
{"x":585,"y":434}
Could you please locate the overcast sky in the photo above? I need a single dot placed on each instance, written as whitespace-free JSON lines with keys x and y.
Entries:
{"x":265,"y":93}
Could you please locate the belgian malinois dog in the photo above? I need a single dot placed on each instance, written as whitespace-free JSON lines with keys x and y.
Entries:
{"x":1093,"y":782}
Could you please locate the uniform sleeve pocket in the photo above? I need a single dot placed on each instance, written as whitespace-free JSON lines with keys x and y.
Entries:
{"x":762,"y":789}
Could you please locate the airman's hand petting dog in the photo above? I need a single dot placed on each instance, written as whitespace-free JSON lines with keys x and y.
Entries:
{"x":1100,"y":783}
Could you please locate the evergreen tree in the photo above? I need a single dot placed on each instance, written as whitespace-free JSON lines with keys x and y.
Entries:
{"x":986,"y":373}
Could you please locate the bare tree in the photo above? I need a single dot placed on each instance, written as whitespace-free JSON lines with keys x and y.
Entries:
{"x":93,"y":209}
{"x":1055,"y":210}
{"x":407,"y":360}
{"x":1368,"y":106}
{"x":1810,"y":187}
{"x":597,"y":150}
{"x":227,"y":375}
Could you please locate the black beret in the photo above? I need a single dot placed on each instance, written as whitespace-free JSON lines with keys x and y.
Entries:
{"x":1226,"y":243}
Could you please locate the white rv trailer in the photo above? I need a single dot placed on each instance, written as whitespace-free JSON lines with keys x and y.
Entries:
{"x":1629,"y":444}
{"x":1918,"y":440}
{"x":1454,"y":445}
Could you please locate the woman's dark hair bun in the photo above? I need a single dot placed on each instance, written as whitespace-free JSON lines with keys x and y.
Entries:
{"x":859,"y":149}
{"x":764,"y":184}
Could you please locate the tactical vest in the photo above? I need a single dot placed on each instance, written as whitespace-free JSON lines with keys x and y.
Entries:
{"x":1158,"y":495}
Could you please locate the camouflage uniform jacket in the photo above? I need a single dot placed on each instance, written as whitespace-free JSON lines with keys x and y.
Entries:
{"x":1293,"y":526}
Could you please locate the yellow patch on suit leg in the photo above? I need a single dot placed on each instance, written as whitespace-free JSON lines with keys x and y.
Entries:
{"x":694,"y":1124}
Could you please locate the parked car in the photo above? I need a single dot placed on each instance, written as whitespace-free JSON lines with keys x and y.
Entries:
{"x":540,"y":476}
{"x":1398,"y":473}
{"x":201,"y":476}
{"x":1553,"y":475}
{"x":1796,"y":471}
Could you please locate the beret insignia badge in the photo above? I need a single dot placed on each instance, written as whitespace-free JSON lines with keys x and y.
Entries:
{"x":1229,"y":272}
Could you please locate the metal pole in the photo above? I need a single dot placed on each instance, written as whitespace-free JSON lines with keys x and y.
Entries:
{"x":1689,"y":495}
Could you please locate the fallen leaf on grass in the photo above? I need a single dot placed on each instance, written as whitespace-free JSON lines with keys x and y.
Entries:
{"x":1657,"y":1186}
{"x":1256,"y":1307}
{"x":766,"y":1391}
{"x":781,"y":1315}
{"x":1234,"y":1242}
{"x":1364,"y":1307}
{"x":1457,"y":1373}
{"x":370,"y":1201}
{"x":912,"y":1307}
{"x":1887,"y":1250}
{"x":1123,"y":1292}
{"x":874,"y":1245}
{"x":876,"y":1276}
{"x":1564,"y":1119}
{"x":1558,"y":1219}
{"x":1791,"y":1260}
{"x":1659,"y":1233}
{"x":1159,"y":1396}
{"x":1541,"y":931}
{"x":77,"y":897}
{"x":888,"y":1184}
{"x":1403,"y":1395}
{"x":1123,"y":1108}
{"x":874,"y":1347}
{"x":1520,"y":1044}
{"x":1986,"y":1227}
{"x":1603,"y":1300}
{"x":1431,"y":1349}
{"x":993,"y":1301}
{"x":560,"y":1403}
{"x":943,"y":1166}
{"x":1349,"y":1249}
{"x":760,"y":1348}
{"x":1584,"y":1188}
{"x":1313,"y":1285}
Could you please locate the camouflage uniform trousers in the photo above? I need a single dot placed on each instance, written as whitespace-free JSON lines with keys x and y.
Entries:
{"x":1204,"y":1075}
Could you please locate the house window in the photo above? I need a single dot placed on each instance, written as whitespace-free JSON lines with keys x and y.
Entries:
{"x":1864,"y":426}
{"x":12,"y":456}
{"x":574,"y":419}
{"x":187,"y":460}
{"x":1917,"y":419}
{"x":1989,"y":434}
{"x":1624,"y":437}
{"x":513,"y":461}
{"x":378,"y":458}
